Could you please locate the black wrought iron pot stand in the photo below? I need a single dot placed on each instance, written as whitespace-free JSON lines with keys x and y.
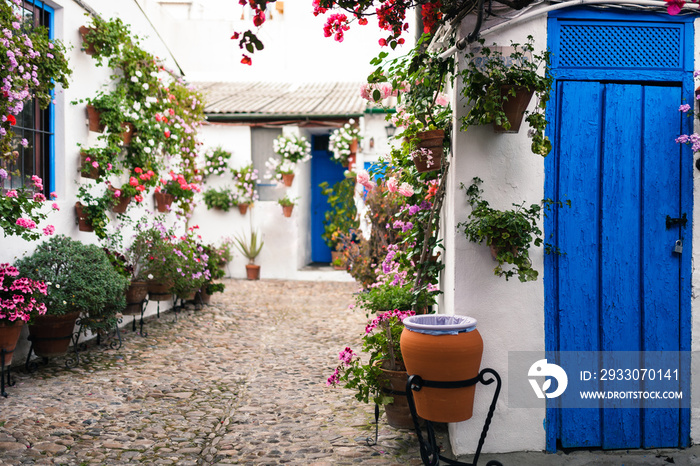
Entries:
{"x":429,"y":449}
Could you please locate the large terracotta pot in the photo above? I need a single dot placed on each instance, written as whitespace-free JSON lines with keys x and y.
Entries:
{"x":398,"y":414}
{"x":252,"y":271}
{"x":158,"y":291}
{"x":9,"y":335}
{"x":514,"y":107}
{"x":443,"y":358}
{"x":135,"y":295}
{"x":431,"y":140}
{"x":51,"y":335}
{"x":164,"y":201}
{"x":287,"y":179}
{"x":83,"y":223}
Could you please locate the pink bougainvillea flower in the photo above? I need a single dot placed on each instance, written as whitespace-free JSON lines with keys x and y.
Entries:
{"x":674,"y":6}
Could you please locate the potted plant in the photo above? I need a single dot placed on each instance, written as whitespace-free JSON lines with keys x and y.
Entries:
{"x":215,"y":162}
{"x":250,"y":250}
{"x":138,"y":288}
{"x":221,"y":199}
{"x":153,"y":253}
{"x":287,"y":205}
{"x":245,"y":181}
{"x":494,"y":82}
{"x":191,"y":271}
{"x":104,"y":38}
{"x":81,"y":281}
{"x":341,"y":215}
{"x":509,"y":233}
{"x":383,"y":370}
{"x":20,"y":302}
{"x":21,"y":210}
{"x":176,"y":188}
{"x":215,"y":257}
{"x":92,"y":211}
{"x":292,"y":150}
{"x":344,"y":142}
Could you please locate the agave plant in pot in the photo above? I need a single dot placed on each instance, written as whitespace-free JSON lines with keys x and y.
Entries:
{"x":81,"y":282}
{"x":250,"y":250}
{"x":383,"y":373}
{"x":20,"y":301}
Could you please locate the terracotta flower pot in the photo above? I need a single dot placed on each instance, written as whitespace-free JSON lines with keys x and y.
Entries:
{"x":243,"y":208}
{"x":203,"y":297}
{"x":514,"y":107}
{"x":252,"y":271}
{"x":86,"y":168}
{"x":9,"y":335}
{"x":88,"y":49}
{"x":135,"y":295}
{"x":122,"y":205}
{"x":164,"y":201}
{"x":127,"y":133}
{"x":287,"y":210}
{"x":431,"y":140}
{"x":442,"y":358}
{"x":93,"y":116}
{"x":159,"y":291}
{"x":83,"y":223}
{"x":288,"y":179}
{"x":398,"y":414}
{"x":51,"y":335}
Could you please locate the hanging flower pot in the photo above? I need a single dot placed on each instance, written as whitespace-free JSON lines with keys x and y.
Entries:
{"x":51,"y":335}
{"x":9,"y":335}
{"x":252,"y":271}
{"x":83,"y":222}
{"x":431,"y":141}
{"x":93,"y":116}
{"x":450,"y":351}
{"x":287,"y":179}
{"x":353,"y":147}
{"x":122,"y":205}
{"x":243,"y":208}
{"x":164,"y":201}
{"x":87,"y":170}
{"x":135,"y":295}
{"x":514,"y":107}
{"x":287,"y":210}
{"x":88,"y":49}
{"x":127,"y":133}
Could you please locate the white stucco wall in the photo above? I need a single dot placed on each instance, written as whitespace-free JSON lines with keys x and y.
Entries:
{"x":695,"y":306}
{"x":510,"y":314}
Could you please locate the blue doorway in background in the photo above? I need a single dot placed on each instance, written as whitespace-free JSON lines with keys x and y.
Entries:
{"x":323,"y":168}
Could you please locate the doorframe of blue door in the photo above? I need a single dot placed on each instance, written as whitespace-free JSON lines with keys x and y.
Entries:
{"x":683,"y":77}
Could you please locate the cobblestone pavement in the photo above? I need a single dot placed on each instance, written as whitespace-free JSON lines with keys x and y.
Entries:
{"x":240,"y":382}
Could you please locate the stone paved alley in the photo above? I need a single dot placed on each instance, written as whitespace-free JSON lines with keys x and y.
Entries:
{"x":240,"y":382}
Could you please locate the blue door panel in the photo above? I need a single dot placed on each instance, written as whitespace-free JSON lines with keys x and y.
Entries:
{"x":580,"y":116}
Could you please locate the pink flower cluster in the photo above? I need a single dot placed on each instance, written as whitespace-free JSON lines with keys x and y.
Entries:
{"x":26,"y":223}
{"x":401,"y":315}
{"x":364,"y":179}
{"x":385,"y":90}
{"x":17,"y":295}
{"x":405,"y":189}
{"x":335,"y":26}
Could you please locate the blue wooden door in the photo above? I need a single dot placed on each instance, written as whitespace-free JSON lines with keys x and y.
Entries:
{"x":618,"y":285}
{"x":323,"y":168}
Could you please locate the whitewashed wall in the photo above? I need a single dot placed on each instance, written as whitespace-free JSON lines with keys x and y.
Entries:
{"x":695,"y":306}
{"x":510,"y":314}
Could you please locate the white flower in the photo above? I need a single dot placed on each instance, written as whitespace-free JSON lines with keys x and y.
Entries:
{"x":134,"y":79}
{"x":138,"y":73}
{"x":150,"y":276}
{"x":145,"y":86}
{"x":137,"y":106}
{"x":64,"y":302}
{"x":58,"y":285}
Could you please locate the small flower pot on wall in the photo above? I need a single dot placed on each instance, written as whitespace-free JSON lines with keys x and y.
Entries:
{"x":432,"y":141}
{"x":164,"y":201}
{"x":252,"y":271}
{"x":87,"y":170}
{"x":88,"y":49}
{"x":288,"y":179}
{"x":83,"y":223}
{"x":287,"y":210}
{"x":242,"y":208}
{"x":93,"y":116}
{"x":127,"y":133}
{"x":514,"y":107}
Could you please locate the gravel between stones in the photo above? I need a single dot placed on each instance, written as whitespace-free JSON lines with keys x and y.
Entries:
{"x":239,"y":382}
